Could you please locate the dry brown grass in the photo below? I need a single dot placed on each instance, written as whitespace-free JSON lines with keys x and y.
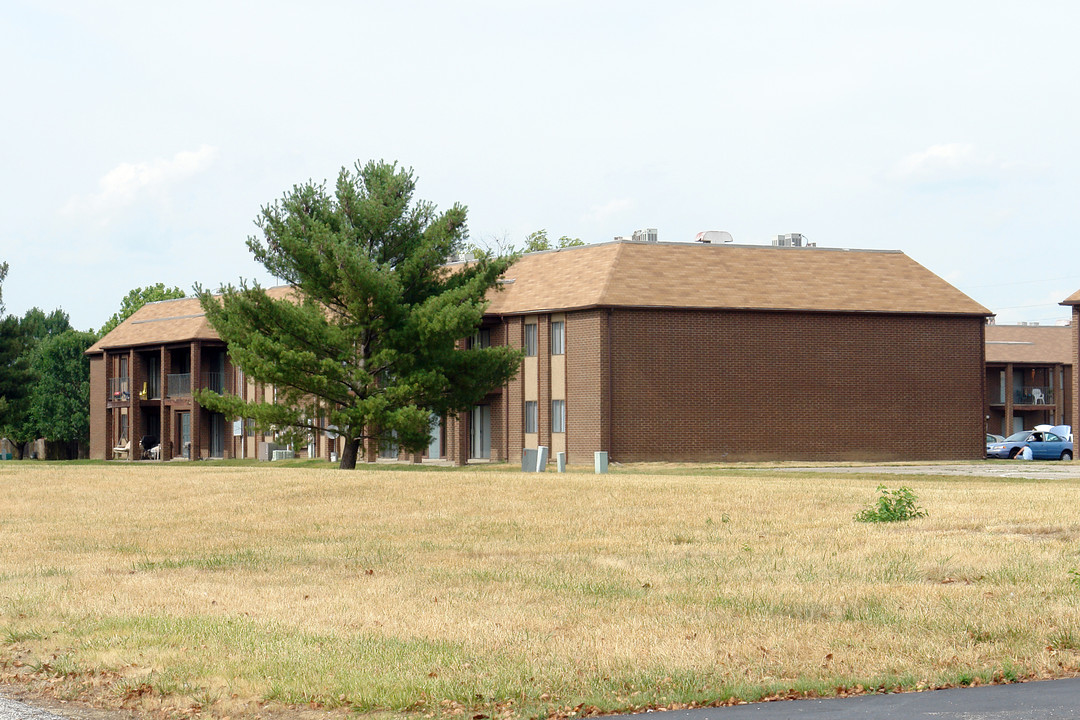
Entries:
{"x":188,"y":588}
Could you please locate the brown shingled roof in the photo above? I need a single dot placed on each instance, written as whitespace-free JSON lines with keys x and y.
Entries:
{"x":165,"y":321}
{"x":1029,"y":344}
{"x":1073,"y":299}
{"x":688,"y":275}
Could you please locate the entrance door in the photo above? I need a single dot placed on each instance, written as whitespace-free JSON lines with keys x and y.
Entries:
{"x":217,"y":435}
{"x":435,"y":444}
{"x":185,"y":434}
{"x":480,"y":432}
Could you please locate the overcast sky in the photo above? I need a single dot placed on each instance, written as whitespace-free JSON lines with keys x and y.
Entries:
{"x":141,"y":138}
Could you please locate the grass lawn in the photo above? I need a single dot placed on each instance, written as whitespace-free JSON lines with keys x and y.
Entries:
{"x":228,"y":590}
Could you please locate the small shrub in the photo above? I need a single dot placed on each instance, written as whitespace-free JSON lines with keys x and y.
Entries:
{"x":892,"y":506}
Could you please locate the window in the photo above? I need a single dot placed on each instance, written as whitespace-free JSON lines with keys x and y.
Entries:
{"x":558,"y":416}
{"x":558,"y":337}
{"x":480,"y":339}
{"x":532,"y":415}
{"x":530,"y":340}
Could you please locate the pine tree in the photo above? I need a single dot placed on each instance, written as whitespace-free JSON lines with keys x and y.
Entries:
{"x":367,"y":342}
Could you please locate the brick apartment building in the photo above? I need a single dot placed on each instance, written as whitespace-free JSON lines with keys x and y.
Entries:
{"x":656,"y":351}
{"x":649,"y":351}
{"x":142,"y":374}
{"x":1029,"y":376}
{"x":1074,"y":301}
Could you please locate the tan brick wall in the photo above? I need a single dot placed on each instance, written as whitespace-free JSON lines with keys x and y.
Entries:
{"x":699,"y":385}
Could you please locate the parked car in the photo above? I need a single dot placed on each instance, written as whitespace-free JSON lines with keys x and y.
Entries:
{"x":1044,"y":445}
{"x":991,"y":438}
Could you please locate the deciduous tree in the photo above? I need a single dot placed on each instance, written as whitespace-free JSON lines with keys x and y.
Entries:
{"x":138,"y":297}
{"x":15,"y":374}
{"x":59,"y":401}
{"x":367,"y":343}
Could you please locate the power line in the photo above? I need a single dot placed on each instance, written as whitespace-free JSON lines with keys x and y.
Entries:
{"x":1024,"y":282}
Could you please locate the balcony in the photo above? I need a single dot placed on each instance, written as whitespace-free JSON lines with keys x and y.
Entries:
{"x":214,"y":381}
{"x":120,"y":389}
{"x":178,"y":385}
{"x":1025,"y":395}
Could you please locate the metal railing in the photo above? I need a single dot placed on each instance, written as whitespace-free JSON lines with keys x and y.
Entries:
{"x":1033,"y":395}
{"x":1025,"y":395}
{"x":178,"y":385}
{"x":120,"y":389}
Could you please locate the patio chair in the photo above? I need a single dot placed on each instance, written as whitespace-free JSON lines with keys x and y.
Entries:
{"x":122,"y":451}
{"x":1037,"y":397}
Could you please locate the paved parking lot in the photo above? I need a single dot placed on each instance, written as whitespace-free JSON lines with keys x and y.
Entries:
{"x":990,"y":468}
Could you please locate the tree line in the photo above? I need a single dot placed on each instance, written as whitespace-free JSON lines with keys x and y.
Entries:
{"x":369,"y":347}
{"x":45,"y":372}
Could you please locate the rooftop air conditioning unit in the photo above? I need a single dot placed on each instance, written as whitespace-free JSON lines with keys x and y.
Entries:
{"x":648,"y":235}
{"x":789,"y":240}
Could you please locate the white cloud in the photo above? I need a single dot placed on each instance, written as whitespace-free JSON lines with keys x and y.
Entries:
{"x":610,"y":209}
{"x":127,"y":182}
{"x":948,"y":163}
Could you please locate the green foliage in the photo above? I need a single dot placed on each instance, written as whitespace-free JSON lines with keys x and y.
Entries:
{"x":39,"y":326}
{"x":138,"y":297}
{"x":368,"y":343}
{"x":15,"y":375}
{"x":538,"y":241}
{"x":59,"y":402}
{"x":892,"y":506}
{"x":55,"y":386}
{"x":44,"y":377}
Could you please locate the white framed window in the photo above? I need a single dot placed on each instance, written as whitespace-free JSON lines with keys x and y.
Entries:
{"x":558,"y":337}
{"x":530,"y":340}
{"x":532,"y":415}
{"x":558,"y":416}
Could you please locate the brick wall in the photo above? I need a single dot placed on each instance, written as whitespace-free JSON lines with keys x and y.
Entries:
{"x":1075,"y":414}
{"x":709,"y":385}
{"x":97,"y":407}
{"x":585,"y":389}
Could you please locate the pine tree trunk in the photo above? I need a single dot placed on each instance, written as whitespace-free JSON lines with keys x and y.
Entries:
{"x":348,"y":455}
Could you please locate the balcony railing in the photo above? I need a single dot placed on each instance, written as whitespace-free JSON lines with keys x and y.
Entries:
{"x":178,"y":385}
{"x":1025,"y":395}
{"x":120,"y":389}
{"x":1033,"y":395}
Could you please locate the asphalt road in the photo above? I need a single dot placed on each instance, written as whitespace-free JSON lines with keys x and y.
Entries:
{"x":13,"y":710}
{"x":1043,"y":700}
{"x":1022,"y":701}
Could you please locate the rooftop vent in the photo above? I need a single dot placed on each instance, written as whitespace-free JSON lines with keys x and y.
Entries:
{"x":714,"y":236}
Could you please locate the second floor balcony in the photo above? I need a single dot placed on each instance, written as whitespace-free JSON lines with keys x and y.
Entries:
{"x":1025,"y":395}
{"x":178,"y":385}
{"x":120,"y":389}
